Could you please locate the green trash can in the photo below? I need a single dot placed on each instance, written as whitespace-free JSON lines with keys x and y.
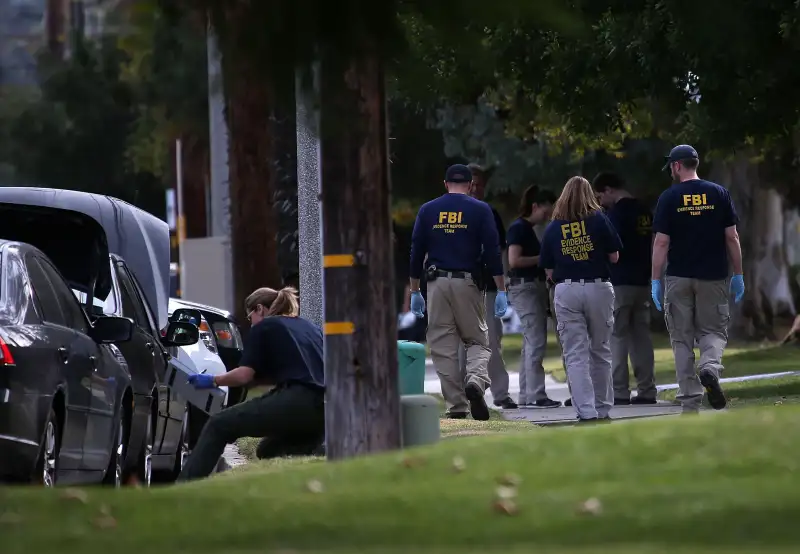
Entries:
{"x":411,"y":367}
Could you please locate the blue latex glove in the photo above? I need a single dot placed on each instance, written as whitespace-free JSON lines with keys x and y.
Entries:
{"x":656,"y":292}
{"x":417,"y":304}
{"x":500,"y":304}
{"x":202,"y":381}
{"x":737,"y":287}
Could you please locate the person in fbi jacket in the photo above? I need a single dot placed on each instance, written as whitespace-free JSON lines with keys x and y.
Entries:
{"x":630,"y":276}
{"x":577,"y":247}
{"x":283,"y":350}
{"x":458,"y":233}
{"x":695,"y":226}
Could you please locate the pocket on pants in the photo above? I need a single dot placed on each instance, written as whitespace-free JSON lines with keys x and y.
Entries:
{"x":668,"y":318}
{"x":724,"y":312}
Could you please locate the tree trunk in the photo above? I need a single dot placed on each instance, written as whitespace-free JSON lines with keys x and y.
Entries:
{"x":761,"y":232}
{"x":362,"y":413}
{"x":251,"y":150}
{"x":195,"y":184}
{"x":284,"y":133}
{"x":56,"y":27}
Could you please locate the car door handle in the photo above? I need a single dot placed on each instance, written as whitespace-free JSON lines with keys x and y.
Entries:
{"x":150,"y":347}
{"x":64,"y":355}
{"x":93,"y":359}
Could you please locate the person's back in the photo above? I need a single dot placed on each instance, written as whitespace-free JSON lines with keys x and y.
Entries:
{"x":633,"y":221}
{"x":583,"y":248}
{"x":695,"y":214}
{"x":289,"y":350}
{"x":453,"y":228}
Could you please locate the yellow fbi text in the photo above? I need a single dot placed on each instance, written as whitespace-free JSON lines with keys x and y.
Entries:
{"x":695,"y":204}
{"x":449,"y":222}
{"x":575,"y":241}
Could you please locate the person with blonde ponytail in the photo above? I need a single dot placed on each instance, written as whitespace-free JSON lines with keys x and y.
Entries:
{"x":283,"y":350}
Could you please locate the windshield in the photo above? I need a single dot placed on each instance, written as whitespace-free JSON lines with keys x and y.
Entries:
{"x":107,"y":306}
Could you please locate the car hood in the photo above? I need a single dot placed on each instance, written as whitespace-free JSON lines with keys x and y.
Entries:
{"x":78,"y":231}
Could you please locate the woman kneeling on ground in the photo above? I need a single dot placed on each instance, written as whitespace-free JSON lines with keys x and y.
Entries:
{"x":282,"y":349}
{"x":577,"y":247}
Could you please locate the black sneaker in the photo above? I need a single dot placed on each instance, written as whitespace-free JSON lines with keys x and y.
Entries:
{"x":568,"y":402}
{"x":622,"y":402}
{"x":547,"y":403}
{"x":477,"y":403}
{"x":457,"y":415}
{"x":642,"y":401}
{"x":716,"y":398}
{"x":507,"y":404}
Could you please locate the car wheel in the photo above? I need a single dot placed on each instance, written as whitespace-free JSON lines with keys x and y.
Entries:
{"x":116,"y":463}
{"x":47,"y":465}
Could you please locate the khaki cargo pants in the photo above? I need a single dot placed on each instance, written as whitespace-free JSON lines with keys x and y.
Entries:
{"x":456,"y":315}
{"x":631,"y":336}
{"x":585,"y":311}
{"x":696,"y":310}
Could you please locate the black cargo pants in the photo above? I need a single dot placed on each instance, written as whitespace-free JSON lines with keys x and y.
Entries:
{"x":290,"y":418}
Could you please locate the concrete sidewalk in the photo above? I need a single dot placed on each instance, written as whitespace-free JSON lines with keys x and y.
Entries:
{"x":560,"y":391}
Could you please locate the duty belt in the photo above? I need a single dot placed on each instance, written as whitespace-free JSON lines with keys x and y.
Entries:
{"x":583,"y":281}
{"x":454,"y":274}
{"x":523,"y":280}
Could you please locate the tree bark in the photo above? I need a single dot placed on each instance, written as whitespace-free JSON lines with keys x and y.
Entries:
{"x":195,"y":184}
{"x":362,"y":413}
{"x":283,"y":127}
{"x":251,"y":151}
{"x":56,"y":27}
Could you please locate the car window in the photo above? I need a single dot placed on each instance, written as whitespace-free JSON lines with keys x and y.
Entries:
{"x":46,"y":296}
{"x":131,"y":307}
{"x":69,"y":304}
{"x":153,"y":321}
{"x":107,"y":306}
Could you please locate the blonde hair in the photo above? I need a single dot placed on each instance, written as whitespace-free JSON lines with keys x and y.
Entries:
{"x":277,"y":302}
{"x":577,"y":201}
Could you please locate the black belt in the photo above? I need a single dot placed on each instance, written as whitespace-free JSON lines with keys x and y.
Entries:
{"x":523,"y":280}
{"x":585,"y":281}
{"x":454,"y":274}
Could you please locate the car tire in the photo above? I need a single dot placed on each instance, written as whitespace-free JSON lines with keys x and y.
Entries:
{"x":47,"y":463}
{"x":116,"y":462}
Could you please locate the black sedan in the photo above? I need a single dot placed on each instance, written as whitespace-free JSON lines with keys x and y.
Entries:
{"x":65,"y":391}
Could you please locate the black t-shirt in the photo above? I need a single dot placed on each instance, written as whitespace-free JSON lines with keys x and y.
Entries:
{"x":521,"y":233}
{"x":633,"y":222}
{"x":694,"y":215}
{"x":283,"y":349}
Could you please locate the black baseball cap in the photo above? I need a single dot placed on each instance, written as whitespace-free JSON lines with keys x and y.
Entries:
{"x":458,"y":173}
{"x":680,"y":152}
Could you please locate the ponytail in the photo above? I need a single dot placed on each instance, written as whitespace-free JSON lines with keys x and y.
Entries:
{"x":278,"y":302}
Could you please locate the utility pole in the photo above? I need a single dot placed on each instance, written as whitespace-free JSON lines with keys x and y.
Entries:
{"x":309,"y":207}
{"x":362,"y":411}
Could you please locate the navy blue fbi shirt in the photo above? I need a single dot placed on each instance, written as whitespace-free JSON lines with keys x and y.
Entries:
{"x":579,"y":249}
{"x":285,"y":349}
{"x":521,"y":233}
{"x":694,"y":214}
{"x":633,"y":222}
{"x":458,"y":233}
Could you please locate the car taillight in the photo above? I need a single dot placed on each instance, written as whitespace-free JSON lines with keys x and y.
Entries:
{"x":5,"y":354}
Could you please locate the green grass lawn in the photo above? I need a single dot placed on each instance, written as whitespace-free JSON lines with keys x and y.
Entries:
{"x":784,"y":391}
{"x":732,"y":485}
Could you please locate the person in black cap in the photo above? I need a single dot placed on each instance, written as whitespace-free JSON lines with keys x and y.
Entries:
{"x":630,"y":276}
{"x":696,"y":236}
{"x":458,"y":234}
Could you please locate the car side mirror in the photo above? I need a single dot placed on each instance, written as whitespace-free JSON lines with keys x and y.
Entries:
{"x":112,"y":329}
{"x":180,"y":333}
{"x":187,"y":315}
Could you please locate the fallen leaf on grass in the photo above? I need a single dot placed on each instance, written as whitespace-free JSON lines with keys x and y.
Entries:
{"x":413,"y":461}
{"x":591,"y":506}
{"x":509,"y":480}
{"x":506,"y":493}
{"x":105,"y":522}
{"x":506,"y":507}
{"x":315,"y":486}
{"x":75,"y":494}
{"x":10,"y":518}
{"x":105,"y":510}
{"x":458,"y":464}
